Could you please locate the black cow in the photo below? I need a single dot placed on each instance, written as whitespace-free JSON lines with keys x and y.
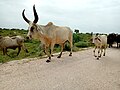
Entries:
{"x":111,"y":38}
{"x":118,"y":40}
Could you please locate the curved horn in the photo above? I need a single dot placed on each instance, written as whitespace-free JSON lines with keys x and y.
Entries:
{"x":35,"y":15}
{"x":25,"y":17}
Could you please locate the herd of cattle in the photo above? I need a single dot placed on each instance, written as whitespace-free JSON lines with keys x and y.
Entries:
{"x":50,"y":34}
{"x":113,"y":38}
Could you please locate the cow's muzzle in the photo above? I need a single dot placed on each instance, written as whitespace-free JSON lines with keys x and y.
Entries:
{"x":27,"y":38}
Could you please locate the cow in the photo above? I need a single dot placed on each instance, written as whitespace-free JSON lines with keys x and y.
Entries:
{"x":49,"y":34}
{"x":111,"y":38}
{"x":12,"y":43}
{"x":100,"y":42}
{"x":118,"y":40}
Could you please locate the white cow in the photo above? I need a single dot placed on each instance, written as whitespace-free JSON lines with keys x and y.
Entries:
{"x":100,"y":42}
{"x":49,"y":34}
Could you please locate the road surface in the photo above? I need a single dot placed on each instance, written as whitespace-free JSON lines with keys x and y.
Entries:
{"x":80,"y":72}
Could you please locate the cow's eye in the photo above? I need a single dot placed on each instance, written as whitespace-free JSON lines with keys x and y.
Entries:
{"x":96,"y":38}
{"x":32,"y":28}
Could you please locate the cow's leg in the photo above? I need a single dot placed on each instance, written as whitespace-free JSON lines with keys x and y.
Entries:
{"x":45,"y":51}
{"x":3,"y":51}
{"x":117,"y":45}
{"x":6,"y":51}
{"x":71,"y":45}
{"x":100,"y":52}
{"x":48,"y":54}
{"x":62,"y":45}
{"x":42,"y":46}
{"x":98,"y":56}
{"x":51,"y":49}
{"x":94,"y":51}
{"x":19,"y":49}
{"x":109,"y":45}
{"x":104,"y":52}
{"x":24,"y":48}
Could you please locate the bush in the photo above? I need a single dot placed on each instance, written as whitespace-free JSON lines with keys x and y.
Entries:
{"x":67,"y":46}
{"x":82,"y":44}
{"x":75,"y":49}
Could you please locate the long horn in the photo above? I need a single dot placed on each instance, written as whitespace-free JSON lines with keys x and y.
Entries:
{"x":25,"y":17}
{"x":35,"y":15}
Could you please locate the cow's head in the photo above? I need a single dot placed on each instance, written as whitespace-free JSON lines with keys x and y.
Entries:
{"x":33,"y":27}
{"x":95,"y":37}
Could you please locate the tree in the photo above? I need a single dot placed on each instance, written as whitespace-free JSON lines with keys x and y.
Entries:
{"x":77,"y":31}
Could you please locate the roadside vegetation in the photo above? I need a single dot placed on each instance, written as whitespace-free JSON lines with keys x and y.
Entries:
{"x":80,"y":40}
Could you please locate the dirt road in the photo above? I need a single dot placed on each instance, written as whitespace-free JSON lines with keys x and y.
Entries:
{"x":80,"y":72}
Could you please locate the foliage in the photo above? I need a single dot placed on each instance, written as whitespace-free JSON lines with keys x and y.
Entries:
{"x":85,"y":37}
{"x":82,"y":44}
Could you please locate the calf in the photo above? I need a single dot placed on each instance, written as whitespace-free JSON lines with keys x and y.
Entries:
{"x":100,"y":42}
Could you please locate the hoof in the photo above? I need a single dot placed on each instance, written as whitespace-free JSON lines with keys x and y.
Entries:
{"x":27,"y":51}
{"x":48,"y":61}
{"x":70,"y":55}
{"x":52,"y":55}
